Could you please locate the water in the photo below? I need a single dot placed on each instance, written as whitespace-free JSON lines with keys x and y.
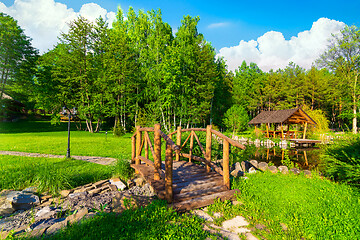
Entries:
{"x":305,"y":158}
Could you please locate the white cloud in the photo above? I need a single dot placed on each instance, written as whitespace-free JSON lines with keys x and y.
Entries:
{"x":44,"y":20}
{"x":273,"y":51}
{"x":218,"y":25}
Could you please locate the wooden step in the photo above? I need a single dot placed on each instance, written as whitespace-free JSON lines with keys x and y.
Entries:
{"x":203,"y":201}
{"x":180,"y":197}
{"x":192,"y":183}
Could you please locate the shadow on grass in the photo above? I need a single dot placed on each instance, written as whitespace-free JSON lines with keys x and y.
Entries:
{"x":28,"y":126}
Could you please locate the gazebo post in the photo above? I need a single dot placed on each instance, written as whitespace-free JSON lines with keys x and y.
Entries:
{"x":267,"y":129}
{"x":304,"y":136}
{"x":282,"y":132}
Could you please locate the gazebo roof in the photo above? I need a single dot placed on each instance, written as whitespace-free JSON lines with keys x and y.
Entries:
{"x":287,"y":116}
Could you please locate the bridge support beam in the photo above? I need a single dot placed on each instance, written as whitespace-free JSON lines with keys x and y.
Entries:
{"x":178,"y":142}
{"x":226,"y":167}
{"x":168,"y":174}
{"x":208,"y":146}
{"x":157,"y":150}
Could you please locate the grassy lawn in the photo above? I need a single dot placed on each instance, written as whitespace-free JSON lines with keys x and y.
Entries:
{"x":42,"y":137}
{"x":309,"y":208}
{"x":50,"y":174}
{"x":155,"y":221}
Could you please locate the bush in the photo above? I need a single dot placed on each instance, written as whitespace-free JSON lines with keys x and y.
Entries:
{"x":341,"y":160}
{"x":118,"y":130}
{"x":123,"y":170}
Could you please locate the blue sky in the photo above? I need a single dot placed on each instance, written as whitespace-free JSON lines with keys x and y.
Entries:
{"x":226,"y":23}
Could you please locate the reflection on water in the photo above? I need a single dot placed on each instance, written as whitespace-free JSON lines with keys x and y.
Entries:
{"x":305,"y":158}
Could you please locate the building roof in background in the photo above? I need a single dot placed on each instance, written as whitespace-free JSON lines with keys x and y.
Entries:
{"x":287,"y":116}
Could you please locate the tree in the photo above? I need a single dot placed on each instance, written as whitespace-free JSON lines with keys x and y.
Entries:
{"x":17,"y":57}
{"x":236,"y":118}
{"x":343,"y":57}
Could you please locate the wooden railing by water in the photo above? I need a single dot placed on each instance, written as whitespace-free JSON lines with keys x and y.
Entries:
{"x":141,"y":140}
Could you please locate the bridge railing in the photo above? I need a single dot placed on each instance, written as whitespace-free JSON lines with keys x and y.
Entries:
{"x":141,"y":140}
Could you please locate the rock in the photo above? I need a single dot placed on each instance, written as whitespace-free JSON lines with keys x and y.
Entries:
{"x":283,"y":169}
{"x":217,"y":215}
{"x":237,"y":202}
{"x":238,"y":167}
{"x":260,"y":226}
{"x":6,"y":207}
{"x":118,"y":183}
{"x":245,"y":165}
{"x":148,"y":190}
{"x":32,"y":190}
{"x":263,"y":166}
{"x":3,"y":234}
{"x":77,"y":216}
{"x":249,"y":236}
{"x":234,"y":173}
{"x":45,"y":223}
{"x":139,"y":181}
{"x":283,"y":226}
{"x":241,"y":230}
{"x":203,"y":215}
{"x":254,"y":163}
{"x":295,"y":171}
{"x":56,"y":227}
{"x":252,"y":170}
{"x":130,"y":183}
{"x":46,"y":213}
{"x":236,"y":222}
{"x":77,"y":195}
{"x":273,"y":169}
{"x":25,"y":201}
{"x":65,"y":193}
{"x":307,"y":173}
{"x":37,"y":233}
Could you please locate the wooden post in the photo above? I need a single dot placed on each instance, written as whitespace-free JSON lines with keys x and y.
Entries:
{"x":267,"y":130}
{"x":282,"y":132}
{"x":138,"y":145}
{"x":208,"y":146}
{"x":157,"y":150}
{"x":168,"y":174}
{"x":282,"y":154}
{"x":133,"y":149}
{"x":226,"y":167}
{"x":146,"y":145}
{"x":191,"y":145}
{"x":304,"y":137}
{"x":178,"y":142}
{"x":305,"y":157}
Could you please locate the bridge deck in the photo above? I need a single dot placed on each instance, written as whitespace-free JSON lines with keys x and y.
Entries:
{"x":193,"y":187}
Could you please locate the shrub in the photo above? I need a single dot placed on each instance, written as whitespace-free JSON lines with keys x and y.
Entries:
{"x":341,"y":160}
{"x":123,"y":170}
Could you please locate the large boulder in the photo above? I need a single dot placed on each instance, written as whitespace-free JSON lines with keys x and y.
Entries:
{"x":24,"y":201}
{"x":254,"y":163}
{"x":273,"y":169}
{"x":284,"y":169}
{"x":6,"y":197}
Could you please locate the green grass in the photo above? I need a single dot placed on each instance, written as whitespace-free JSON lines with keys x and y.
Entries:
{"x":310,"y":208}
{"x":53,"y":174}
{"x":156,"y":221}
{"x":42,"y":137}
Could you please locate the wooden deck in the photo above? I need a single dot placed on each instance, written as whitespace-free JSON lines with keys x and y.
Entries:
{"x":193,"y":187}
{"x":304,"y":142}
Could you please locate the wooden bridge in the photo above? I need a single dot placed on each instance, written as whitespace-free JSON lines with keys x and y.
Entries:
{"x":184,"y":184}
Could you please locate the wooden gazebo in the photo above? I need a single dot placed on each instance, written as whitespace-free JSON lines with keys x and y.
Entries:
{"x":283,"y":117}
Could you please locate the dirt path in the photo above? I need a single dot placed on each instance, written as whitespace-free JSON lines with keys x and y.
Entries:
{"x":98,"y":160}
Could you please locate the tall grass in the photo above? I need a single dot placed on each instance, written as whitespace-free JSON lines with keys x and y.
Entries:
{"x":309,"y":208}
{"x":341,"y":160}
{"x":49,"y":174}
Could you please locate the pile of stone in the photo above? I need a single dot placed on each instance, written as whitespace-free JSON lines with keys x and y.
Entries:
{"x":24,"y":212}
{"x":253,"y":166}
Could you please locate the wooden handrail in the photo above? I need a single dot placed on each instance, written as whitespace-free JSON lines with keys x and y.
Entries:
{"x":190,"y":129}
{"x":232,"y":142}
{"x":148,"y":129}
{"x":169,"y":141}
